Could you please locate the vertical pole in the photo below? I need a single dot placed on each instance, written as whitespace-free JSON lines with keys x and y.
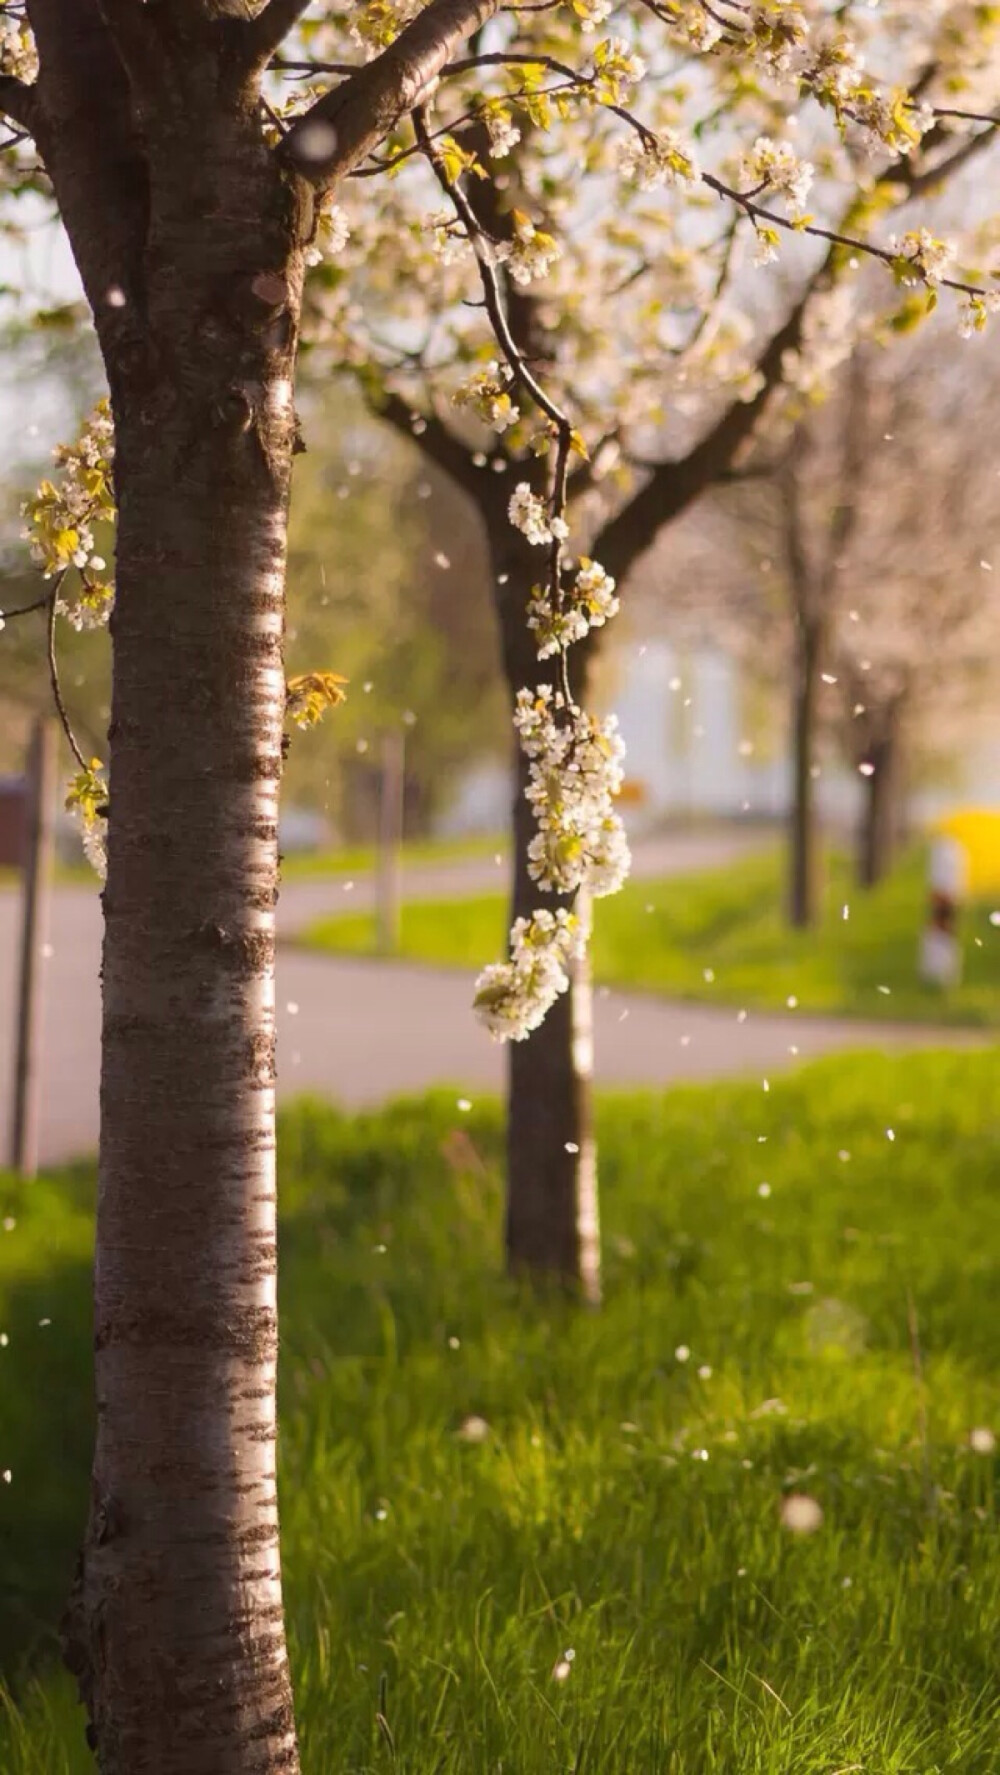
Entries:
{"x":36,"y":884}
{"x":390,"y":838}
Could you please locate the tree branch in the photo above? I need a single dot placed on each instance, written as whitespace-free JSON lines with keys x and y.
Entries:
{"x":25,"y":609}
{"x":344,"y":125}
{"x":57,"y":695}
{"x":265,"y":33}
{"x":19,"y":102}
{"x":88,"y":140}
{"x":673,"y":486}
{"x":435,"y":440}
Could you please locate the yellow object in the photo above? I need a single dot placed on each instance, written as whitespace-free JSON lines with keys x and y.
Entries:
{"x":977,"y":830}
{"x":632,"y":792}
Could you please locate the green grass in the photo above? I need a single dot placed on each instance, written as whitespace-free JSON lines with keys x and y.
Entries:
{"x":720,"y":935}
{"x":440,"y":1582}
{"x":357,"y":859}
{"x":360,"y":859}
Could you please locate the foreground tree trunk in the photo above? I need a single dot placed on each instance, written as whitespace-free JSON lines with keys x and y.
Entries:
{"x":804,"y":861}
{"x":877,"y":827}
{"x":552,"y":1222}
{"x":175,"y":1629}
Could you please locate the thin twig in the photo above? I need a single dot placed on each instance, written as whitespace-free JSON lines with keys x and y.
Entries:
{"x":525,"y":377}
{"x":25,"y":609}
{"x":489,"y":280}
{"x":57,"y":695}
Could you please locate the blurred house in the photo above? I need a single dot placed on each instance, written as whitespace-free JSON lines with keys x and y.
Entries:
{"x":703,"y":742}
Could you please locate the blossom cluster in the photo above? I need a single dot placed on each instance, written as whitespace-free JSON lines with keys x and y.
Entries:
{"x":664,"y":159}
{"x":588,"y":603}
{"x":591,"y":13}
{"x":513,"y":997}
{"x":378,"y":23}
{"x":18,"y":55}
{"x":775,"y":167}
{"x":448,"y":237}
{"x":920,"y":257}
{"x":502,"y":130}
{"x":87,"y":801}
{"x":486,"y":393}
{"x":529,"y":254}
{"x":974,"y":312}
{"x":776,"y":36}
{"x":575,"y":772}
{"x":530,"y":514}
{"x":333,"y":232}
{"x":60,"y":516}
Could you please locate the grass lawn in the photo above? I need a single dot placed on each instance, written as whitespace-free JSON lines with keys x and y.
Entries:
{"x":720,"y":935}
{"x":304,"y":865}
{"x":602,"y":1583}
{"x":358,"y":859}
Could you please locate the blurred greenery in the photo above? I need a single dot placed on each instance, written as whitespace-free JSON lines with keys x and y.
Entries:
{"x":794,"y":1305}
{"x":387,"y":585}
{"x":721,"y":935}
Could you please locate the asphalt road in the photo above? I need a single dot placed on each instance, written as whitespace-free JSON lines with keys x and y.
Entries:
{"x":361,"y":1031}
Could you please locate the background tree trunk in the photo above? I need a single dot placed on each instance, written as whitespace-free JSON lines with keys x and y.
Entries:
{"x":876,"y":843}
{"x":552,"y":1221}
{"x":175,"y":1628}
{"x":804,"y":861}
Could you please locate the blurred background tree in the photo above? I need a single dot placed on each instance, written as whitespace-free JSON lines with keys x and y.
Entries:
{"x":387,"y":585}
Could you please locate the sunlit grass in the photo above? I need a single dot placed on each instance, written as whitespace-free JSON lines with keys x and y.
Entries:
{"x":721,"y":935}
{"x":357,"y":859}
{"x":791,"y":1294}
{"x":354,"y":859}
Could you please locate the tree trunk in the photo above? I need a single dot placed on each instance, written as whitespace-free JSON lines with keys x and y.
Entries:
{"x":552,"y":1223}
{"x":803,"y":887}
{"x":877,"y":826}
{"x":175,"y":1628}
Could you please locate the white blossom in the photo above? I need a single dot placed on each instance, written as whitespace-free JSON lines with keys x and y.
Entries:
{"x":587,"y":604}
{"x":530,"y":254}
{"x":503,"y":133}
{"x":575,"y":773}
{"x":663,"y":159}
{"x":18,"y":55}
{"x":928,"y":257}
{"x":592,"y":13}
{"x":974,"y":311}
{"x":449,"y":240}
{"x":95,"y":848}
{"x":332,"y":235}
{"x":776,"y":166}
{"x":529,"y":514}
{"x":486,"y":393}
{"x":765,"y":252}
{"x":513,"y":997}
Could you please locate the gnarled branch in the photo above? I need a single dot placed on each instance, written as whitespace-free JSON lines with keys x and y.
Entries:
{"x":336,"y":133}
{"x":19,"y":102}
{"x":435,"y":439}
{"x":266,"y":31}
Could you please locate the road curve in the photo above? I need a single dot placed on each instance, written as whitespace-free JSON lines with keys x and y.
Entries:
{"x":361,"y":1031}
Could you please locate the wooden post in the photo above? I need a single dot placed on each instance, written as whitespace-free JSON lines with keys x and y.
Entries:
{"x":390,"y":838}
{"x":36,"y":885}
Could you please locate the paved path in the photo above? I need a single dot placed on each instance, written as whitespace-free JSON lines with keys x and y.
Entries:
{"x":361,"y":1030}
